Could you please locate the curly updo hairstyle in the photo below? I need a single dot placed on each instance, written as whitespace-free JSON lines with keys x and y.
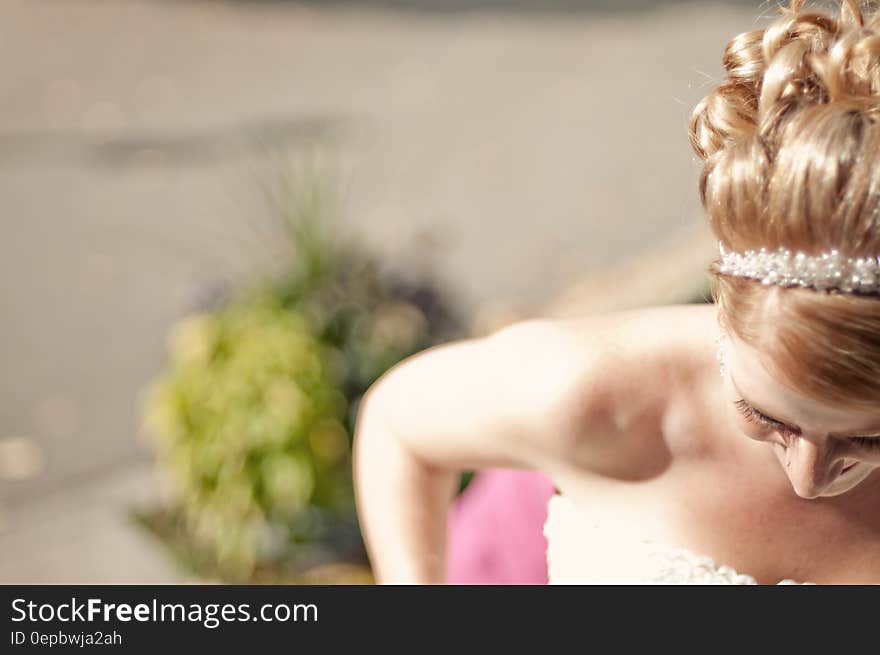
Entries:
{"x":790,"y":144}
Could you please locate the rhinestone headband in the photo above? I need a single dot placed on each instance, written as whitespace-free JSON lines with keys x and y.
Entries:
{"x":829,"y":271}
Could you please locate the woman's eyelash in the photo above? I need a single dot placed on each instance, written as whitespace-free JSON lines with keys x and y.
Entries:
{"x":868,"y":443}
{"x":754,"y":416}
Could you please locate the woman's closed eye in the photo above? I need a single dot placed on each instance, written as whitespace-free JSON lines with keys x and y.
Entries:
{"x":867,"y":443}
{"x":871,"y":443}
{"x":755,"y":416}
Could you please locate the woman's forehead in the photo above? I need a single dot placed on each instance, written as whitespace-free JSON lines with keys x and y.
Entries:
{"x":768,"y":393}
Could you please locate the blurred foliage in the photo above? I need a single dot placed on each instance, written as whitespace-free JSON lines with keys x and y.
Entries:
{"x":254,"y":413}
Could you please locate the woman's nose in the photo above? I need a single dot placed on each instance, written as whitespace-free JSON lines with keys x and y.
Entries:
{"x":808,"y":465}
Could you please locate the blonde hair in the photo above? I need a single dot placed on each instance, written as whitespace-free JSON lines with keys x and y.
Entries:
{"x":790,"y":143}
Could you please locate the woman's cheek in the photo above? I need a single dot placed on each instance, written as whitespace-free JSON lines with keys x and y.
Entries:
{"x":754,"y":431}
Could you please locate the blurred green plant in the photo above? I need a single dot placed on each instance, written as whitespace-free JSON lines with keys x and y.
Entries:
{"x":248,"y":420}
{"x":254,"y":413}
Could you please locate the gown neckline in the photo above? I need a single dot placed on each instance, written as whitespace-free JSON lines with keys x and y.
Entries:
{"x":683,"y":556}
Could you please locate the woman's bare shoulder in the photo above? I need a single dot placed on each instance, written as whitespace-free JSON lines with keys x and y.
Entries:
{"x":669,"y":341}
{"x":645,"y":327}
{"x":640,"y":371}
{"x":589,"y":393}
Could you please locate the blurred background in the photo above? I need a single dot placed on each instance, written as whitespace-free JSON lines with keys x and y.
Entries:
{"x":223,"y":220}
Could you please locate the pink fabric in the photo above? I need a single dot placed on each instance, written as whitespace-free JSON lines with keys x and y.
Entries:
{"x":496,"y":529}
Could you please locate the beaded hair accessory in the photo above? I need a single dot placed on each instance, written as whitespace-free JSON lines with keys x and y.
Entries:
{"x":829,"y":271}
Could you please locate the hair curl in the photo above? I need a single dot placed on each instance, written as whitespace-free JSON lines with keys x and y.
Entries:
{"x":790,"y":144}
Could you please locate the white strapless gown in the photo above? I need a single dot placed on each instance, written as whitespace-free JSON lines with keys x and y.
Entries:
{"x":583,"y":549}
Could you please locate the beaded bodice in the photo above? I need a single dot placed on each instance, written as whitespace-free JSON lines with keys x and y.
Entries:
{"x":582,"y":549}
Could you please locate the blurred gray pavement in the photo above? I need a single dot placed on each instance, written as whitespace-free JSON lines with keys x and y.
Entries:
{"x":532,"y":148}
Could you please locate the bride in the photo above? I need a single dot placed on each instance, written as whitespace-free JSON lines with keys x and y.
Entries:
{"x":667,"y":471}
